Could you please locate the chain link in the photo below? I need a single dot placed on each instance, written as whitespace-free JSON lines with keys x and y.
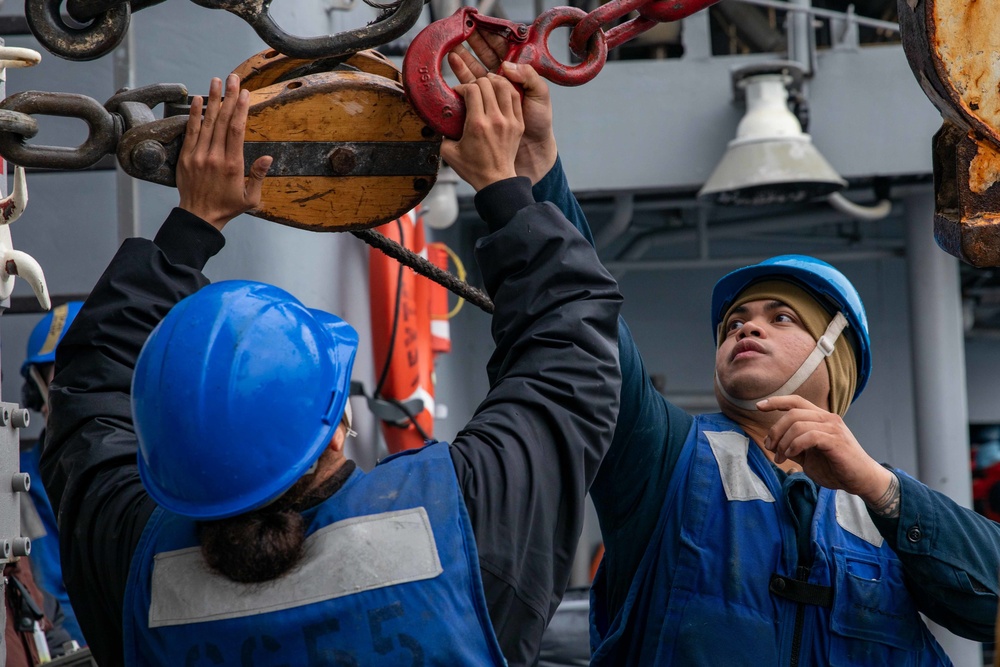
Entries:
{"x":91,"y":40}
{"x":107,"y":123}
{"x":18,"y":123}
{"x":101,"y":140}
{"x":87,"y":10}
{"x":444,"y":110}
{"x":651,"y":12}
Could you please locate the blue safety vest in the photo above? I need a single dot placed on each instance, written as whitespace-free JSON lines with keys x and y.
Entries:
{"x":46,"y":565}
{"x":718,"y":583}
{"x":391,"y":577}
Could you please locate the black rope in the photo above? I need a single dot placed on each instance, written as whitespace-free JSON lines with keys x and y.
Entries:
{"x":425,"y":268}
{"x":412,"y":418}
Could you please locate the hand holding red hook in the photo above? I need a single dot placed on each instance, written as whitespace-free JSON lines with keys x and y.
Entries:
{"x":444,"y":110}
{"x":441,"y":106}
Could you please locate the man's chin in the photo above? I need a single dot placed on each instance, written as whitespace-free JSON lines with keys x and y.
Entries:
{"x":746,"y":389}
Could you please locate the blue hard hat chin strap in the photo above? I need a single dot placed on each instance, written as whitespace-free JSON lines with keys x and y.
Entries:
{"x":824,"y":348}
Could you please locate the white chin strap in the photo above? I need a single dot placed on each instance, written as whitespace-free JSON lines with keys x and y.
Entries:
{"x":43,"y":386}
{"x":824,"y":348}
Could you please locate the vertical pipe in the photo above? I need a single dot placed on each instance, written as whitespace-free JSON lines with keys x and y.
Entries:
{"x":3,"y":306}
{"x":621,"y":218}
{"x":126,"y":187}
{"x":939,"y":391}
{"x":696,"y":36}
{"x":703,"y":247}
{"x":801,"y":36}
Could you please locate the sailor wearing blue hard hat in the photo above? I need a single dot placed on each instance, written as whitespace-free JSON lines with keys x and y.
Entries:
{"x":765,"y":534}
{"x":39,"y":522}
{"x":769,"y":519}
{"x":196,"y":449}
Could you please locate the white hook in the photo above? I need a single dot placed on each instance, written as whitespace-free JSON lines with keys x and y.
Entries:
{"x":15,"y":262}
{"x":15,"y":56}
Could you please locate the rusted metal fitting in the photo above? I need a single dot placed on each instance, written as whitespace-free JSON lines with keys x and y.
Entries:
{"x":950,"y":45}
{"x":343,"y":160}
{"x":15,"y":56}
{"x":148,"y":156}
{"x":257,"y":14}
{"x":967,"y":195}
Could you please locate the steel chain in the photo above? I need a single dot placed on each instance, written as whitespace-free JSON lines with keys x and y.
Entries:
{"x":132,"y":108}
{"x":651,"y":12}
{"x":106,"y":123}
{"x":18,"y":123}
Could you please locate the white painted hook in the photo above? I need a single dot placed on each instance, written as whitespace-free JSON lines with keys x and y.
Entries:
{"x":15,"y":56}
{"x":17,"y":263}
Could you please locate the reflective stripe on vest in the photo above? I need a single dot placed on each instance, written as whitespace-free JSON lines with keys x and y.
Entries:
{"x":701,"y":596}
{"x":390,"y":577}
{"x":388,"y":549}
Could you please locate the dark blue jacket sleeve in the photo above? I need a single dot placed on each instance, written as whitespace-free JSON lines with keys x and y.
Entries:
{"x":950,"y":556}
{"x":629,"y":490}
{"x":531,"y":450}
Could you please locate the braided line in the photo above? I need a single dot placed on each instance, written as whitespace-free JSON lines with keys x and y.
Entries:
{"x":425,"y":268}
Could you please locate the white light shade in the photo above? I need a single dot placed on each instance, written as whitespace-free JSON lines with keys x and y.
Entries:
{"x":440,"y":207}
{"x":771,"y":160}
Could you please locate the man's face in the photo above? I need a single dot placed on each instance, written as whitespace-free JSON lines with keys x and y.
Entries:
{"x":764,"y":343}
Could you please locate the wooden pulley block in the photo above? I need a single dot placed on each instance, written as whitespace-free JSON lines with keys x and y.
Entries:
{"x":350,"y":152}
{"x":951,"y":46}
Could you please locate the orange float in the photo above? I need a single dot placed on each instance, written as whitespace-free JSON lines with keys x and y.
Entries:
{"x":409,"y":328}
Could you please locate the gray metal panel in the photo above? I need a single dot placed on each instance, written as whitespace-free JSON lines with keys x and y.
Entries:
{"x":10,"y":500}
{"x":665,"y":124}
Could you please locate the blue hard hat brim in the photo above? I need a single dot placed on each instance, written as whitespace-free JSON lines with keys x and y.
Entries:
{"x":345,"y":339}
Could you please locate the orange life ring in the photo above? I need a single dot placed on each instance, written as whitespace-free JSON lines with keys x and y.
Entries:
{"x":403,"y":344}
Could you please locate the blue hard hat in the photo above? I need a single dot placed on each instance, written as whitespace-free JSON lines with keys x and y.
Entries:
{"x":235,"y":394}
{"x":830,"y":287}
{"x":48,"y":333}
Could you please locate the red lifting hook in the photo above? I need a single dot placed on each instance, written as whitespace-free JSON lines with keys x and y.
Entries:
{"x":444,"y":110}
{"x":441,"y":106}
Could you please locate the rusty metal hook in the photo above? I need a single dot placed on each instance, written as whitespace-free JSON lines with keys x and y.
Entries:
{"x":87,"y":10}
{"x":255,"y":13}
